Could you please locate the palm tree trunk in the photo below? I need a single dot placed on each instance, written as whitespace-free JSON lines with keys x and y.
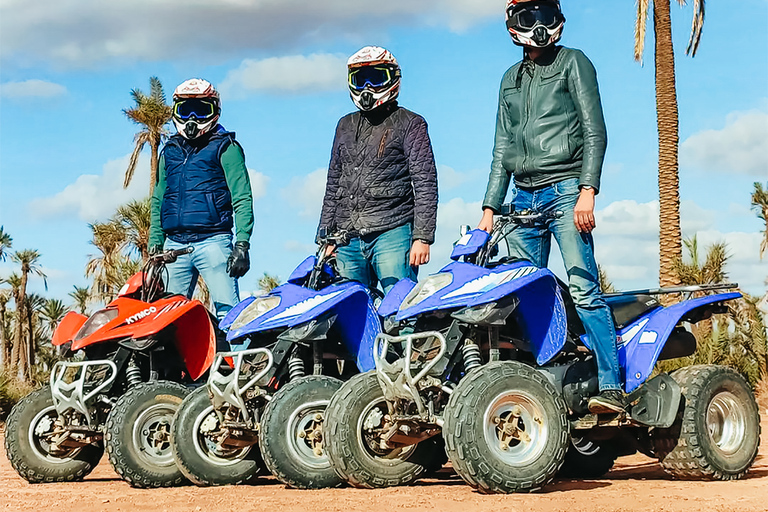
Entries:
{"x":19,"y":346}
{"x":670,"y":245}
{"x":154,"y":145}
{"x":4,"y":352}
{"x":30,"y":341}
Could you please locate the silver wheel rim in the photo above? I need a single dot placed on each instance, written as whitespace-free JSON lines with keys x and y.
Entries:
{"x":515,"y":428}
{"x":304,"y":431}
{"x":726,"y":422}
{"x":38,"y":445}
{"x":152,"y":435}
{"x":207,"y":449}
{"x":378,"y":406}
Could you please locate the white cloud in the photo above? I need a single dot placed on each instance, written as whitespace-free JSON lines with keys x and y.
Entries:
{"x":258,"y":184}
{"x":94,"y":197}
{"x":295,"y":74}
{"x":31,"y":89}
{"x":305,"y":194}
{"x":740,"y":147}
{"x":84,"y":32}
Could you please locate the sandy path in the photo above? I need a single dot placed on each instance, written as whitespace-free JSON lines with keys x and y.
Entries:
{"x":635,"y":484}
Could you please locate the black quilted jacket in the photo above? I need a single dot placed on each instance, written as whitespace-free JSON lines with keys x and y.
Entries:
{"x":382,"y":174}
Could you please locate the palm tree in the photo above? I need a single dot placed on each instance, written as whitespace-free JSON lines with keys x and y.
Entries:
{"x":760,"y":205}
{"x":51,"y":312}
{"x":152,"y":113}
{"x":670,"y":248}
{"x":5,"y":243}
{"x":5,"y":296}
{"x":268,"y":282}
{"x":81,"y":296}
{"x":109,"y":238}
{"x":135,"y":216}
{"x":28,"y":259}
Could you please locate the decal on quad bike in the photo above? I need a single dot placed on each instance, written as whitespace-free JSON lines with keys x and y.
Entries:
{"x":486,"y":283}
{"x":141,"y":314}
{"x":305,"y":305}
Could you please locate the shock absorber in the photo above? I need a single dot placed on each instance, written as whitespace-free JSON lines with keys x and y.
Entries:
{"x":471,"y":353}
{"x":295,"y":366}
{"x":132,"y":374}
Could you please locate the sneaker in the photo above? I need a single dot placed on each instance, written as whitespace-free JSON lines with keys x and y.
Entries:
{"x":607,"y":402}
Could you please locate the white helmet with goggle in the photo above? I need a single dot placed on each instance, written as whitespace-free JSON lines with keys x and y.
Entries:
{"x":196,"y":108}
{"x":374,"y":77}
{"x":537,"y":23}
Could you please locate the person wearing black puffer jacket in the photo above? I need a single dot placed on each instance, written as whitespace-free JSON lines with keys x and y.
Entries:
{"x":382,"y":178}
{"x":203,"y":191}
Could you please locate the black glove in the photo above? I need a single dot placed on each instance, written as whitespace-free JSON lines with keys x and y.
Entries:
{"x":155,"y":249}
{"x":238,"y":263}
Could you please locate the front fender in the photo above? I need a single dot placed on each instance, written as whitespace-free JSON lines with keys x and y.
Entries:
{"x":67,"y":328}
{"x":643,"y":340}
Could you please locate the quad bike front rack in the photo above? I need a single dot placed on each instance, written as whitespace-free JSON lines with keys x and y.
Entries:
{"x":398,"y":380}
{"x":77,"y":393}
{"x":226,"y":389}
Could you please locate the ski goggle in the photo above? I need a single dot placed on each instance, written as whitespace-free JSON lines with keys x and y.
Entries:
{"x":194,"y":107}
{"x":528,"y":15}
{"x":375,"y":76}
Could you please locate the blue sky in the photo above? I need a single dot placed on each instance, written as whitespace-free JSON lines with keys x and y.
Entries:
{"x":66,"y":69}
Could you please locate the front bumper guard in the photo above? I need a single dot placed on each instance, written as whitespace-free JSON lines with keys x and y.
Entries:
{"x":398,"y":380}
{"x":226,"y":389}
{"x":75,"y":395}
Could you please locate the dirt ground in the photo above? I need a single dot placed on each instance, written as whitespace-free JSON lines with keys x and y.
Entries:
{"x":635,"y":484}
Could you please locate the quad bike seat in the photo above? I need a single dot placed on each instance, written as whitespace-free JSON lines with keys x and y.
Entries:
{"x":625,"y":308}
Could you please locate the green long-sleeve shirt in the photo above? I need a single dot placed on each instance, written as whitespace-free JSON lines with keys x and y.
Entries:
{"x":238,"y":182}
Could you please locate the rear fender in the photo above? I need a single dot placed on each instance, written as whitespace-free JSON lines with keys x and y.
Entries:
{"x":67,"y":328}
{"x":643,"y":340}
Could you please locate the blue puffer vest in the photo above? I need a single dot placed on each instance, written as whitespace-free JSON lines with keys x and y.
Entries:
{"x":197,"y":203}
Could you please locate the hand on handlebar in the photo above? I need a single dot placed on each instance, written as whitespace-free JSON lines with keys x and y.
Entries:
{"x":486,"y":223}
{"x":329,"y":250}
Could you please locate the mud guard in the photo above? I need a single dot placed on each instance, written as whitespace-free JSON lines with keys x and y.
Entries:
{"x":643,"y":340}
{"x":395,"y":297}
{"x":67,"y":328}
{"x":656,"y":403}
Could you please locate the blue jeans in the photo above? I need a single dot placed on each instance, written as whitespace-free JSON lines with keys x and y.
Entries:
{"x":577,"y":249}
{"x":378,"y":258}
{"x":209,"y":259}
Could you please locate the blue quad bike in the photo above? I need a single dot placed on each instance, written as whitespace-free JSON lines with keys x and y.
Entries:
{"x":492,"y":355}
{"x":264,"y":402}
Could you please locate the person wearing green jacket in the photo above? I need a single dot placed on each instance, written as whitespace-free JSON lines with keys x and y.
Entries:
{"x":551,"y":140}
{"x":203,"y":191}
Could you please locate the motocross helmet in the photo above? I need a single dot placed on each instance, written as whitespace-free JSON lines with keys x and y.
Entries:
{"x":196,"y":108}
{"x":537,"y":23}
{"x":373,"y":77}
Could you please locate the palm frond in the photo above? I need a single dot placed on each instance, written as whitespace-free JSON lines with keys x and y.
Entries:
{"x":141,"y":138}
{"x":641,"y":25}
{"x":697,"y":26}
{"x":156,"y":90}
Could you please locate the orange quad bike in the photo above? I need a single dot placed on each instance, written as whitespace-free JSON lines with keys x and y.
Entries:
{"x":142,"y":354}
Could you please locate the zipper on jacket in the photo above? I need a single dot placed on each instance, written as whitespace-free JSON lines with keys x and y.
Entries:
{"x":528,"y":88}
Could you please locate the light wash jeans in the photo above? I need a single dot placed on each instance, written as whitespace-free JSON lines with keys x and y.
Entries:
{"x":209,"y":259}
{"x":378,"y":258}
{"x":577,"y":249}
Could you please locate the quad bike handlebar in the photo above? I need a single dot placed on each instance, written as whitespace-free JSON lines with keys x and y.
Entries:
{"x":170,"y":256}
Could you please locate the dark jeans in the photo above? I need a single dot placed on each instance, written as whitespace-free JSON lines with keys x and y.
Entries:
{"x":578,"y":254}
{"x":378,"y":258}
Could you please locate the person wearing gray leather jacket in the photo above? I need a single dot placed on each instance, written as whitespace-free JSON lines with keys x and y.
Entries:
{"x":551,"y":140}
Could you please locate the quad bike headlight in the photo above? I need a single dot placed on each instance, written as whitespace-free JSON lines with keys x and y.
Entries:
{"x":98,"y":320}
{"x":424,"y":290}
{"x":255,"y":309}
